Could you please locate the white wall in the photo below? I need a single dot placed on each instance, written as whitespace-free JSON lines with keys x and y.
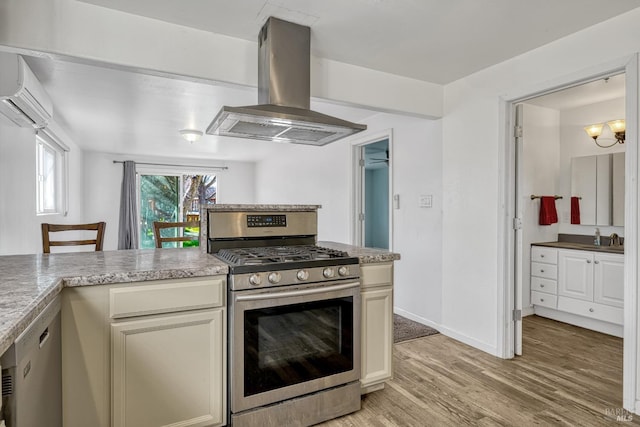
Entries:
{"x":576,"y":143}
{"x":472,"y":167}
{"x":540,"y":176}
{"x":323,"y":175}
{"x":19,"y":225}
{"x":103,"y":181}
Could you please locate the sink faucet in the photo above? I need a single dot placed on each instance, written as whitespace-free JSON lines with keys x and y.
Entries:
{"x":614,"y":240}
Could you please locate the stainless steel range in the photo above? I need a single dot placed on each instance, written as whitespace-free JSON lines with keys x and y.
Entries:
{"x":294,"y":318}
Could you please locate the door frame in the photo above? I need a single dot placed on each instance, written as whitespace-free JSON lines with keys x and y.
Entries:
{"x":507,"y":191}
{"x":357,"y":195}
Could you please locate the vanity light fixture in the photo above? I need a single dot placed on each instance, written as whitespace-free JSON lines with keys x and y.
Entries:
{"x":191,"y":135}
{"x":617,"y":128}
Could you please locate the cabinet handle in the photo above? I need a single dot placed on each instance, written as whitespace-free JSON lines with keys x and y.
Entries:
{"x":541,"y":271}
{"x":591,"y":310}
{"x":596,"y":262}
{"x":588,"y":261}
{"x":541,"y":255}
{"x":541,"y":299}
{"x":542,"y":286}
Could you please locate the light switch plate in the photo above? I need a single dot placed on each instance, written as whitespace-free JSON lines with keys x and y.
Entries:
{"x":426,"y":201}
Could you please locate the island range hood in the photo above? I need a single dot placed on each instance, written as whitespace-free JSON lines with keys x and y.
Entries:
{"x":283,"y":112}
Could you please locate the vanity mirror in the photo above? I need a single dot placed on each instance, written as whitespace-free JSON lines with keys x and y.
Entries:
{"x":599,"y":183}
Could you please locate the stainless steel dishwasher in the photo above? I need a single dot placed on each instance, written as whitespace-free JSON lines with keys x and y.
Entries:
{"x":31,"y":374}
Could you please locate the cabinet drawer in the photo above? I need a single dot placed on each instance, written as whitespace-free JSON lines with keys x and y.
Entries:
{"x":542,"y":254}
{"x":544,"y":300}
{"x":376,"y":274}
{"x":592,"y":309}
{"x":547,"y":271}
{"x":544,"y":285}
{"x":166,"y":297}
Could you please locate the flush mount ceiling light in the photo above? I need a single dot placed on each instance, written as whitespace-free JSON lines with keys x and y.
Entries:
{"x":191,"y":135}
{"x":617,"y":128}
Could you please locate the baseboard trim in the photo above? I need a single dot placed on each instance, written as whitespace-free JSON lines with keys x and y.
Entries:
{"x":487,"y":348}
{"x":416,"y":318}
{"x":528,"y":311}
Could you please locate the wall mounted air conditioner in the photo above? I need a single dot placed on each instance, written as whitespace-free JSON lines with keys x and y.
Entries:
{"x":22,"y":98}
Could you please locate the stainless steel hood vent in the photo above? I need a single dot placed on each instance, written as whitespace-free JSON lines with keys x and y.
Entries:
{"x":283,"y":112}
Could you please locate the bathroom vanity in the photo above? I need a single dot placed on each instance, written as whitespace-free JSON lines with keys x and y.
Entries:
{"x":579,"y":283}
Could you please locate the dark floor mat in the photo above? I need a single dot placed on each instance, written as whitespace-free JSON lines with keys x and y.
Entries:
{"x":405,"y":329}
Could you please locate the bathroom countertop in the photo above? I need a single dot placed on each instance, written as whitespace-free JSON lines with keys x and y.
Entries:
{"x":582,"y":247}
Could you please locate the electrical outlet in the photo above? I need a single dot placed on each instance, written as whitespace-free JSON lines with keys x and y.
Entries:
{"x":426,"y":201}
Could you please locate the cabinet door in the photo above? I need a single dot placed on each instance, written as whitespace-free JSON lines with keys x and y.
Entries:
{"x":377,"y":335}
{"x":575,"y":274}
{"x":609,"y":279}
{"x":169,"y":370}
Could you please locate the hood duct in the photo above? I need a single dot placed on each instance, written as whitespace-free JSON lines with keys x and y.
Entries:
{"x":283,"y":112}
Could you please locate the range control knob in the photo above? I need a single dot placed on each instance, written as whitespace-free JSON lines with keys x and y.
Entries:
{"x":303,"y":275}
{"x":328,"y":272}
{"x":255,"y":280}
{"x":343,"y":271}
{"x":274,"y":277}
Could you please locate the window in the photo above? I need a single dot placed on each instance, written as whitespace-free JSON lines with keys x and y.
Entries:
{"x":51,"y":170}
{"x":172,"y":198}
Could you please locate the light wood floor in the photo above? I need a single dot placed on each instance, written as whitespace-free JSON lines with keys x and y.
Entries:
{"x":567,"y":376}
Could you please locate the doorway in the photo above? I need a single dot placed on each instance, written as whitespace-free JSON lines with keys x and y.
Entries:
{"x":373,"y":189}
{"x":515,"y":198}
{"x":555,"y":157}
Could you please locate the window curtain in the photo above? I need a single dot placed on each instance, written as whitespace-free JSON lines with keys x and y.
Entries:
{"x":128,"y":227}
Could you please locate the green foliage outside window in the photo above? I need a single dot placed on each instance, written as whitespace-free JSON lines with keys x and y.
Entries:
{"x":171,"y":199}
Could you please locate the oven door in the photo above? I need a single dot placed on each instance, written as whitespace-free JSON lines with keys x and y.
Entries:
{"x":292,"y":341}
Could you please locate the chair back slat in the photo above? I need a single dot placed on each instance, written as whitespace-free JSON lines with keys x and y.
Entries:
{"x":158,"y":226}
{"x":47,"y":242}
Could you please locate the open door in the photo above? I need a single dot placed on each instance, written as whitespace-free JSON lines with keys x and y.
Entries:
{"x":373,"y":228}
{"x":519,"y":211}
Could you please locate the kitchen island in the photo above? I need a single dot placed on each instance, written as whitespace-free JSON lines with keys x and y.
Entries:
{"x":30,"y":282}
{"x":140,"y":301}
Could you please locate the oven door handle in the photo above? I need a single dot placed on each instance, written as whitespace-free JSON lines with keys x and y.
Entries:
{"x":300,"y":292}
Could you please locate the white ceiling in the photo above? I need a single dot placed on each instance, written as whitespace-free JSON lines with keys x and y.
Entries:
{"x":589,"y":93}
{"x":124,"y":112}
{"x":434,"y":40}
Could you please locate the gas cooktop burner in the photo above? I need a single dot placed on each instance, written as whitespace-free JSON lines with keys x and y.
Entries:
{"x":281,"y":258}
{"x":278,"y":254}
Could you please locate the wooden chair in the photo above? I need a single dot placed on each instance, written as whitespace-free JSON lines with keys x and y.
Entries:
{"x":158,"y":226}
{"x":53,"y":228}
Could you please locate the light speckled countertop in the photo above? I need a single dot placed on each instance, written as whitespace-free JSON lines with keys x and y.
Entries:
{"x":29,"y":282}
{"x":366,"y":255}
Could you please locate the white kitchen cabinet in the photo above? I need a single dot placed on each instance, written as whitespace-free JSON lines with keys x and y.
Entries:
{"x":575,"y":278}
{"x":149,"y":353}
{"x":168,"y":370}
{"x":376,"y":325}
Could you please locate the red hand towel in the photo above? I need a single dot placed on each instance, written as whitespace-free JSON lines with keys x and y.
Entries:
{"x":575,"y":210}
{"x":548,"y":213}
